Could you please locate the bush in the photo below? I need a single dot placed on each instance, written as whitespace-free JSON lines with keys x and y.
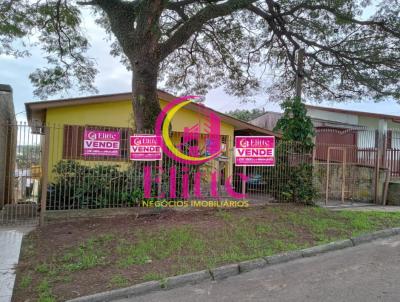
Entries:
{"x":78,"y":186}
{"x":294,"y":153}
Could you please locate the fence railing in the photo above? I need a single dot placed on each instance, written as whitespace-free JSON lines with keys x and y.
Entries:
{"x":78,"y":181}
{"x":51,"y":166}
{"x":20,"y":174}
{"x":393,"y":161}
{"x":53,"y":162}
{"x":363,"y":147}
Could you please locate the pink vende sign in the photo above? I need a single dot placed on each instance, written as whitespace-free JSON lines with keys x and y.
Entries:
{"x":145,"y":147}
{"x":101,"y":143}
{"x":254,"y":150}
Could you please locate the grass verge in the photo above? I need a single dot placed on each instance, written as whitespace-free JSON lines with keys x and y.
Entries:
{"x":66,"y":260}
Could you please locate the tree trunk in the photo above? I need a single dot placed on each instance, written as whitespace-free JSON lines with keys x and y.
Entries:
{"x":146,"y":106}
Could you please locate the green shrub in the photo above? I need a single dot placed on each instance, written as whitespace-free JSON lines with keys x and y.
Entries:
{"x":294,"y":153}
{"x":78,"y":186}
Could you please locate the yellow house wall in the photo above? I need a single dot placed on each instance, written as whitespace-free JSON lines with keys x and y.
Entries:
{"x":116,"y":114}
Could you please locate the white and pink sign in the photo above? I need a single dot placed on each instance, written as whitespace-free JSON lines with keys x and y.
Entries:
{"x":254,"y":150}
{"x":101,"y":143}
{"x":145,"y":147}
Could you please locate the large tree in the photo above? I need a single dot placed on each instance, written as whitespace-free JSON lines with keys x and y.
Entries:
{"x":351,"y":52}
{"x":245,"y":114}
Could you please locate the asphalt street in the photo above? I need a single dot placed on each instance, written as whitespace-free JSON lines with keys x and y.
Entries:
{"x":369,"y":272}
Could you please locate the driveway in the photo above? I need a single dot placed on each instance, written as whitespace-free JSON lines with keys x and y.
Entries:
{"x":370,"y":272}
{"x":10,"y":245}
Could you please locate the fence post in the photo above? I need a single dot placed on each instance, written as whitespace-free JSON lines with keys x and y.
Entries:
{"x":377,"y":165}
{"x":327,"y":176}
{"x":160,"y":173}
{"x":382,"y":129}
{"x":344,"y":174}
{"x":9,"y":166}
{"x":385,"y":165}
{"x":45,"y":166}
{"x":314,"y":151}
{"x":244,"y":180}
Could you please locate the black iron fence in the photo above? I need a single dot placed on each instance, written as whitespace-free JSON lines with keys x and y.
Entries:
{"x":49,"y":168}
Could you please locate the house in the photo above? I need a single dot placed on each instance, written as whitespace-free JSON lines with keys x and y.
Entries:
{"x":329,"y":118}
{"x":67,"y":120}
{"x":362,"y":133}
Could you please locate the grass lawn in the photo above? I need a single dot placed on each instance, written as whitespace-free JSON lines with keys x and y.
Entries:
{"x":65,"y":260}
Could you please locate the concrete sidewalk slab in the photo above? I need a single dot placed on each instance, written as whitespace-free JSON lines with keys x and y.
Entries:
{"x":10,"y":246}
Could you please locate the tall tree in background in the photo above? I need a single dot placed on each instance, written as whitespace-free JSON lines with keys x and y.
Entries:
{"x":195,"y":45}
{"x":295,"y":125}
{"x":294,"y":152}
{"x":246,"y":115}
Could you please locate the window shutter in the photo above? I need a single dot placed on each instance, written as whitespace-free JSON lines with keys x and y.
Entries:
{"x":124,"y":144}
{"x":72,"y":142}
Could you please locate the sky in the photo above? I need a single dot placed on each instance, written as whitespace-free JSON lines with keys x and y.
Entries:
{"x":114,"y":78}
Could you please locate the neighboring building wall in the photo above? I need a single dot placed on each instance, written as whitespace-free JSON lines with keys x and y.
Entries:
{"x":396,"y":139}
{"x":368,"y":122}
{"x":7,"y":143}
{"x":395,"y":127}
{"x":7,"y":114}
{"x":319,"y":118}
{"x":326,"y":119}
{"x":359,"y":184}
{"x":333,"y":116}
{"x":267,"y":121}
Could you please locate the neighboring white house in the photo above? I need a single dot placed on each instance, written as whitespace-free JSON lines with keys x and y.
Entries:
{"x":341,"y":119}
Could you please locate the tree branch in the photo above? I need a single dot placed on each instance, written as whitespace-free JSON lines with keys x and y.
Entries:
{"x":308,"y":6}
{"x":195,"y":23}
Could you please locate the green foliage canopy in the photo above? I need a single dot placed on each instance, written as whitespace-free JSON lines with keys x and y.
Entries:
{"x":295,"y":125}
{"x":352,"y":47}
{"x":246,"y":115}
{"x":295,"y":152}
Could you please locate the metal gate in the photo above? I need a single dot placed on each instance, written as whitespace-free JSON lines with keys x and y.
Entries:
{"x":347,"y":165}
{"x":20,"y":173}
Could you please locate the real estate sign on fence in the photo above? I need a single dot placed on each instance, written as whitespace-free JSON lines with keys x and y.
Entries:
{"x":101,"y":143}
{"x":145,"y":147}
{"x":254,"y":150}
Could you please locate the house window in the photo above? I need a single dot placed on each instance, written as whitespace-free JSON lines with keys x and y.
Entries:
{"x":389,"y":137}
{"x":74,"y":137}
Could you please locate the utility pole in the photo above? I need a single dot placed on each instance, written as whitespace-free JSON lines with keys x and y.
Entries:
{"x":300,"y":72}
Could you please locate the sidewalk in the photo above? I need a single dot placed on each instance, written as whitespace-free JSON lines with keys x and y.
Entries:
{"x":10,"y":245}
{"x":357,"y":206}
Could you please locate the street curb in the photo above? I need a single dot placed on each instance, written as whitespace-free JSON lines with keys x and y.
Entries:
{"x":229,"y":270}
{"x":250,"y":265}
{"x":373,"y":236}
{"x":225,"y":271}
{"x":332,"y":246}
{"x":190,"y":278}
{"x":396,"y":231}
{"x":284,"y":257}
{"x":136,"y":290}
